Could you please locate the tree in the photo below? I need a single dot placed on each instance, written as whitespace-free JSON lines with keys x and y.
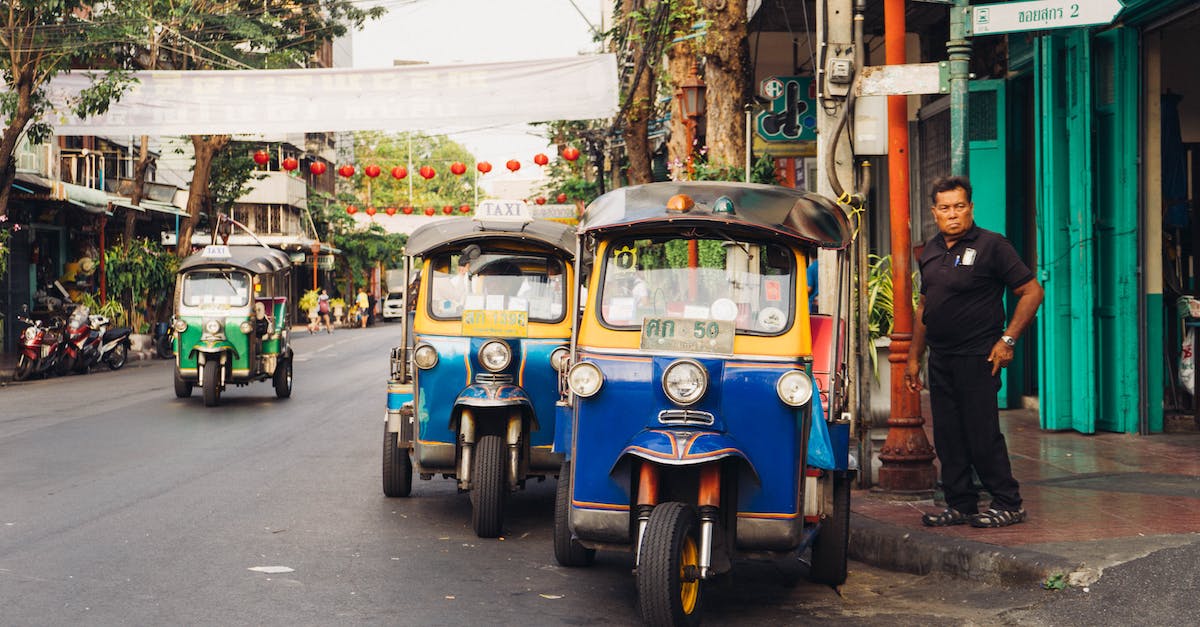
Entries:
{"x":40,"y":39}
{"x":411,"y":151}
{"x":727,"y":74}
{"x":237,"y":34}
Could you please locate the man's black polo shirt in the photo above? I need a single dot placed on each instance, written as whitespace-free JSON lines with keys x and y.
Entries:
{"x":964,"y":290}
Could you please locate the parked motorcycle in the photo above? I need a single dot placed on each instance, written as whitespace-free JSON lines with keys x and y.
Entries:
{"x":90,"y":342}
{"x":164,"y":341}
{"x":114,"y":343}
{"x":41,"y":348}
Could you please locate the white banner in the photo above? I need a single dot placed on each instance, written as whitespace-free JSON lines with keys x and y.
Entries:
{"x":409,"y":98}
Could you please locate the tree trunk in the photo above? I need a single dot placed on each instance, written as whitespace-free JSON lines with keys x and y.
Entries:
{"x":680,"y":59}
{"x":205,"y":147}
{"x":640,"y":107}
{"x":139,"y":190}
{"x":12,"y":135}
{"x":726,"y":56}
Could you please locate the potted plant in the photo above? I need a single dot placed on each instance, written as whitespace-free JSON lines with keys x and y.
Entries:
{"x":308,"y":304}
{"x":339,"y":310}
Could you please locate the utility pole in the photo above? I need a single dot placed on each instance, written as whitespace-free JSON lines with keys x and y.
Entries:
{"x":959,"y":50}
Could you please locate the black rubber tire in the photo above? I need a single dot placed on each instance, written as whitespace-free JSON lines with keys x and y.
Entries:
{"x":212,"y":384}
{"x":164,"y":348}
{"x":567,"y":550}
{"x":397,"y":467}
{"x":183,"y":389}
{"x":671,"y":541}
{"x":489,"y":487}
{"x":117,"y":358}
{"x":831,"y":546}
{"x":283,"y":378}
{"x":23,"y":369}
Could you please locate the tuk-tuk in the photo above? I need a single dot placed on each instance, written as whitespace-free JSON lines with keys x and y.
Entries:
{"x":231,"y":323}
{"x":490,"y":319}
{"x":693,"y":429}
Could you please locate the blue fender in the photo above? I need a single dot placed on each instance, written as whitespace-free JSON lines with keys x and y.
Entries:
{"x":493,"y":395}
{"x":684,"y":447}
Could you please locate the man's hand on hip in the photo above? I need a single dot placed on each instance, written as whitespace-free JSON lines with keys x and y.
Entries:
{"x":1001,"y":356}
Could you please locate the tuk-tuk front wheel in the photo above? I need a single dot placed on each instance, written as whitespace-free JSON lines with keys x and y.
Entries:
{"x":183,"y":389}
{"x":489,"y":486}
{"x":831,"y":546}
{"x":212,"y":382}
{"x":283,"y":378}
{"x":567,"y":550}
{"x":668,"y":572}
{"x":397,"y":467}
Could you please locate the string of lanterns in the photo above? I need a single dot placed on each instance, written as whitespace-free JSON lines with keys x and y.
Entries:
{"x":457,"y":168}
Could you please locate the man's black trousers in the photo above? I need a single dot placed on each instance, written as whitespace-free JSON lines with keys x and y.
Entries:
{"x":966,"y":432}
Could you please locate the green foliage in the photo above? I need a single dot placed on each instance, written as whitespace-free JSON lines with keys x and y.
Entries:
{"x":1057,"y":581}
{"x":388,"y":150}
{"x":229,"y":176}
{"x":136,"y":274}
{"x":361,"y":250}
{"x":308,"y":302}
{"x":5,"y":234}
{"x":880,"y":300}
{"x":711,"y":253}
{"x":762,"y":171}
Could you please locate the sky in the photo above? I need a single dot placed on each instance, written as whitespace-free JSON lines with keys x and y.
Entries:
{"x":470,"y":31}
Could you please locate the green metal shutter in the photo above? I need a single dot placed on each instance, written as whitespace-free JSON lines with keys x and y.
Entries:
{"x":1066,"y":249}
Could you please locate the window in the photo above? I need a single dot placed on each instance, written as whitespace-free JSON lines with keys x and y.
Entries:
{"x":216,"y":288}
{"x":498,"y":280}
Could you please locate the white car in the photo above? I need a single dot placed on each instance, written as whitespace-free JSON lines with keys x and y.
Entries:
{"x":393,"y":306}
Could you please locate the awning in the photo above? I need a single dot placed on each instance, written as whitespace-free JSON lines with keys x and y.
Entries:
{"x":148,"y":205}
{"x":90,"y":200}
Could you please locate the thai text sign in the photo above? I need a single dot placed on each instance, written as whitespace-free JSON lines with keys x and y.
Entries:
{"x":495,"y":323}
{"x":1012,"y":17}
{"x":688,"y":335}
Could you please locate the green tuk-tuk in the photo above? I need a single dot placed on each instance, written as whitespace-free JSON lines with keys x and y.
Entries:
{"x":231,"y":322}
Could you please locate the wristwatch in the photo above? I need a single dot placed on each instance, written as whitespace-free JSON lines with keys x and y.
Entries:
{"x":1008,"y":339}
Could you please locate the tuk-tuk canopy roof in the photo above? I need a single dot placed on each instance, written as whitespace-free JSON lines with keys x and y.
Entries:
{"x":456,"y":232}
{"x":254,"y":259}
{"x":786,"y":212}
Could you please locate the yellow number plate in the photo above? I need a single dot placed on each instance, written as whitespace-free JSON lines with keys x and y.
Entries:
{"x":493,"y":323}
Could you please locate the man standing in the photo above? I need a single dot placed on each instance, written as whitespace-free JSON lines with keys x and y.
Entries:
{"x":960,"y":314}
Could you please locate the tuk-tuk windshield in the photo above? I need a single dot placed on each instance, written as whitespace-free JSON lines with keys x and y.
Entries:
{"x":499,"y":281}
{"x":747,"y":283}
{"x":223,"y":288}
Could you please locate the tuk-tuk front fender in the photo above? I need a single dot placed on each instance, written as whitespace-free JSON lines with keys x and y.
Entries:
{"x":683,"y":447}
{"x":494,"y":395}
{"x":214,"y":349}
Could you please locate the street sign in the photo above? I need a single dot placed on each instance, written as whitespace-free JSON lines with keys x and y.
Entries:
{"x":791,"y":116}
{"x":1013,"y":17}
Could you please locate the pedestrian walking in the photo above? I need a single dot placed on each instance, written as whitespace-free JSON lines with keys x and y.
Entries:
{"x":364,"y":307}
{"x":960,"y":315}
{"x":323,"y":311}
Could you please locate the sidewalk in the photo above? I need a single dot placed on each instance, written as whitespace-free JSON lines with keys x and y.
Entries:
{"x":140,"y":353}
{"x":1094,"y":501}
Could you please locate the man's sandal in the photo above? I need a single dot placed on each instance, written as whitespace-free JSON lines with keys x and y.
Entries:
{"x":946,"y":518}
{"x":997,"y":518}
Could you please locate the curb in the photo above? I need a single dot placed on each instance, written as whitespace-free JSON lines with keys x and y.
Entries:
{"x":136,"y":359}
{"x":895,"y":548}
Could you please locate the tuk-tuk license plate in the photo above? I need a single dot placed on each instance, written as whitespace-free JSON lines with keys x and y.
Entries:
{"x":689,"y":335}
{"x":495,"y":323}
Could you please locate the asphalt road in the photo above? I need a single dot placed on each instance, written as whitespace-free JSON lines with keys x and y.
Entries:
{"x":120,"y":504}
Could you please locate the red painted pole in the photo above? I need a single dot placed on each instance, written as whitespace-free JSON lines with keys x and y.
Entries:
{"x":906,"y":456}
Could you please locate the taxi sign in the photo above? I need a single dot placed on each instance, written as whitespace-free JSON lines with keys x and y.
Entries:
{"x":495,"y":323}
{"x":511,"y":210}
{"x":216,"y":251}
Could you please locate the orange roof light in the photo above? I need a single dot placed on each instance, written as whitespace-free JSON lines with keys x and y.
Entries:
{"x":680,"y":203}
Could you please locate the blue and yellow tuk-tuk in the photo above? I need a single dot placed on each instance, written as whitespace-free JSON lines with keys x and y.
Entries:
{"x":694,"y":430}
{"x":489,"y":321}
{"x":231,"y":322}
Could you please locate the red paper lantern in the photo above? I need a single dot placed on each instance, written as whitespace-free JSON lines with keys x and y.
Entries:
{"x":513,"y":165}
{"x":261,"y":157}
{"x":541,"y":200}
{"x":372,"y":170}
{"x":484,"y":167}
{"x":457,"y":168}
{"x":317,"y":168}
{"x":570,"y":153}
{"x":351,"y":209}
{"x":561,"y":198}
{"x":541,"y":159}
{"x":399,"y":172}
{"x":290,"y":164}
{"x":391,"y":211}
{"x":448,"y":210}
{"x":346,"y":170}
{"x":407,"y":211}
{"x":371,"y":211}
{"x":465,"y":209}
{"x":428,"y":211}
{"x":427,"y":172}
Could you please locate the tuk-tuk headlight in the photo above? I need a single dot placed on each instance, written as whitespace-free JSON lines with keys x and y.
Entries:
{"x":795,"y":388}
{"x":585,"y":379}
{"x":245,"y":327}
{"x":495,"y":355}
{"x":180,"y":325}
{"x":212,"y":327}
{"x":685,"y":382}
{"x":559,"y":358}
{"x":425,"y":356}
